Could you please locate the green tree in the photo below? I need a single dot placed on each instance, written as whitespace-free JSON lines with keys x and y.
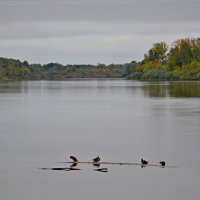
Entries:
{"x":184,"y":51}
{"x":158,"y":53}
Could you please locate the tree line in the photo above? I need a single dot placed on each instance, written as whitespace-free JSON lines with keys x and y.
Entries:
{"x":11,"y":69}
{"x":180,"y":62}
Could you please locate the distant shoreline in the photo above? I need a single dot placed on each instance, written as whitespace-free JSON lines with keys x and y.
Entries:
{"x":180,"y":62}
{"x":12,"y":69}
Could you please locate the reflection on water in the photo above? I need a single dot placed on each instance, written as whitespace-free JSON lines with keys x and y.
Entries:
{"x":152,"y":89}
{"x":62,"y":169}
{"x":11,"y":87}
{"x":96,"y":164}
{"x":184,"y":89}
{"x":101,"y":169}
{"x":73,"y":165}
{"x":172,"y":89}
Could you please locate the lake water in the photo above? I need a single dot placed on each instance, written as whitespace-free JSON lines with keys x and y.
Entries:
{"x":42,"y":123}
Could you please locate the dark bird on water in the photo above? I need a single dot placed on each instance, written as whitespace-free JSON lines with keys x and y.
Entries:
{"x":162,"y":163}
{"x":74,"y":159}
{"x":144,"y":162}
{"x":97,"y":159}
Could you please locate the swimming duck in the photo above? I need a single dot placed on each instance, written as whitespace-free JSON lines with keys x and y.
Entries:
{"x":162,"y":163}
{"x":97,"y":159}
{"x":74,"y":159}
{"x":144,"y":162}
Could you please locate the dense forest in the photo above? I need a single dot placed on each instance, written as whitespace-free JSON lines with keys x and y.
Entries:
{"x":180,"y":62}
{"x":11,"y":69}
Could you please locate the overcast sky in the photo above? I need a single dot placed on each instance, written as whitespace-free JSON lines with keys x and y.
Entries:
{"x":92,"y":31}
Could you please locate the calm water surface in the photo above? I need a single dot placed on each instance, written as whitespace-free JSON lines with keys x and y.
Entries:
{"x":43,"y":122}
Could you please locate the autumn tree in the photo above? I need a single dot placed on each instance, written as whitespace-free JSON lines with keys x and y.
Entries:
{"x":158,"y":53}
{"x":184,"y":52}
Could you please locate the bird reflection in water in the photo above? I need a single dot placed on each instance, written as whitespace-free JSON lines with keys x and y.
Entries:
{"x":143,"y":165}
{"x":101,"y":170}
{"x":62,"y":168}
{"x":73,"y":165}
{"x":96,"y":165}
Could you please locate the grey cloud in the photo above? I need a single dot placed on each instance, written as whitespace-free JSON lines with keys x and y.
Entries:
{"x":105,"y":11}
{"x":113,"y":48}
{"x":91,"y":31}
{"x":39,"y":30}
{"x":75,"y":49}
